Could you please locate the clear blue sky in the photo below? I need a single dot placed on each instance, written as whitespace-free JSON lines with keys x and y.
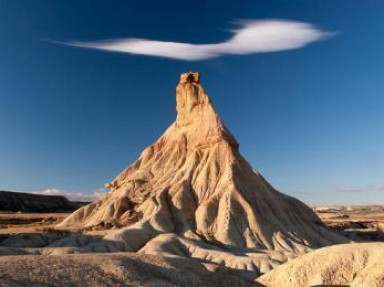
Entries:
{"x":310,"y":120}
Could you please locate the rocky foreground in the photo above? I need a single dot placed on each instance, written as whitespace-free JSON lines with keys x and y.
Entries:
{"x":355,"y":265}
{"x":117,"y":269}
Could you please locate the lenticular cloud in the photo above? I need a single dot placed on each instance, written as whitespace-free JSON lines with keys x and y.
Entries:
{"x":252,"y":37}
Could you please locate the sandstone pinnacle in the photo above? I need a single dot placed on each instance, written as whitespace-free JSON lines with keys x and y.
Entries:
{"x":193,"y":183}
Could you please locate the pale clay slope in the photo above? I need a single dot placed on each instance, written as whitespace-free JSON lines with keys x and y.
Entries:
{"x":118,"y":269}
{"x":354,"y":265}
{"x":193,"y":183}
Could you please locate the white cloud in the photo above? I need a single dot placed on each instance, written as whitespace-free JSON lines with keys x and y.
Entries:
{"x":252,"y":37}
{"x":362,"y":188}
{"x":73,"y":196}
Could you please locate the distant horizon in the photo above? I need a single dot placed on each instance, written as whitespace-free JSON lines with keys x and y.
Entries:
{"x":87,"y":86}
{"x":311,"y":205}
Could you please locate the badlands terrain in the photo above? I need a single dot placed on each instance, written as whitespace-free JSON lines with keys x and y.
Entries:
{"x":191,"y":211}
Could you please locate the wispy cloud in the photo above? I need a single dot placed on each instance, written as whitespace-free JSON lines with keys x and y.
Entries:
{"x":362,"y":188}
{"x":73,"y":196}
{"x":303,"y":192}
{"x":252,"y":37}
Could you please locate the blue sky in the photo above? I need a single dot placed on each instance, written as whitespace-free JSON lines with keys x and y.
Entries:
{"x":309,"y":119}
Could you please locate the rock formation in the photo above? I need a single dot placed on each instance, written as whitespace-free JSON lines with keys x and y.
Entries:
{"x":355,"y":265}
{"x":191,"y":192}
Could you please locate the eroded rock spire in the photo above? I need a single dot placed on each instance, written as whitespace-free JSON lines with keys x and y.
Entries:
{"x":193,"y":186}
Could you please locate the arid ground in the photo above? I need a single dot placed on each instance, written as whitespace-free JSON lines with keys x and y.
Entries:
{"x":356,"y":222}
{"x":361,"y":224}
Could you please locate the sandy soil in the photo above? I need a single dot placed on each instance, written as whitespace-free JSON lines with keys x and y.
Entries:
{"x":360,"y":224}
{"x":14,"y":223}
{"x":130,"y":269}
{"x":117,"y":269}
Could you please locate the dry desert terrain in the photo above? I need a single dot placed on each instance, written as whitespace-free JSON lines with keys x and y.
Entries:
{"x":191,"y":211}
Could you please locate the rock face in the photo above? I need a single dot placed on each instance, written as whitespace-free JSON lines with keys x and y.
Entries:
{"x":193,"y":183}
{"x":354,"y":265}
{"x":27,"y":202}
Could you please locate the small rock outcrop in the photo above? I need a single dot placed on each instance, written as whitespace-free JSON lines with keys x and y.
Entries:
{"x":354,"y":265}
